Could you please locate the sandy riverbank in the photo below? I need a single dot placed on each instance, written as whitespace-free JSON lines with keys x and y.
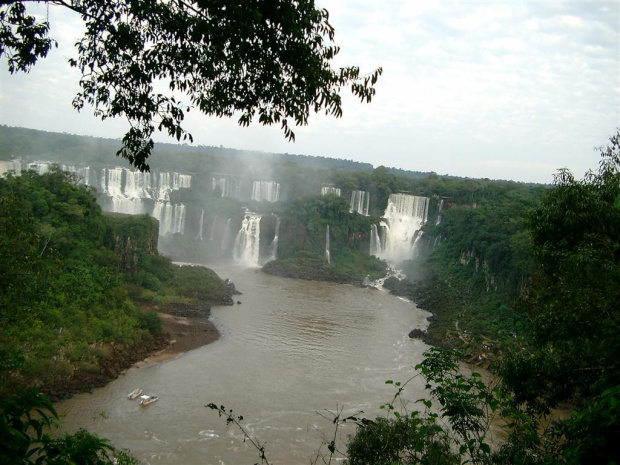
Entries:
{"x":184,"y":334}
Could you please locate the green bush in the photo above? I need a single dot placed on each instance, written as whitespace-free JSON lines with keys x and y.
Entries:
{"x":406,"y":440}
{"x":150,"y":321}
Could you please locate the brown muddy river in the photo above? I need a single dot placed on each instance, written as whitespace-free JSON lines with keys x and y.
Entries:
{"x":291,"y":352}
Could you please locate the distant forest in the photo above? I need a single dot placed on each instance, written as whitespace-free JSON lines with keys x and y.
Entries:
{"x":23,"y":142}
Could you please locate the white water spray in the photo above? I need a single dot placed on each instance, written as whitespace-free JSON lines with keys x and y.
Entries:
{"x":360,"y":202}
{"x":266,"y":190}
{"x":327,"y":255}
{"x":246,"y":250}
{"x":273,"y":247}
{"x":395,"y":239}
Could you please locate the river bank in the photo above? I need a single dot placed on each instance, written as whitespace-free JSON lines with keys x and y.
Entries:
{"x":183,"y":334}
{"x":291,"y":349}
{"x":183,"y":329}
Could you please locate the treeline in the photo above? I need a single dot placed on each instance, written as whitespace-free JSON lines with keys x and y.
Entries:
{"x":475,"y":230}
{"x":67,"y":148}
{"x":71,"y":279}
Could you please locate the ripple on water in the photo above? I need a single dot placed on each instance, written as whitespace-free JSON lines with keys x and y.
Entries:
{"x":292,"y":349}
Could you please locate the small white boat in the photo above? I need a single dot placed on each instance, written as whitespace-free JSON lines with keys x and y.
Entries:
{"x":146,"y":400}
{"x":134,"y":394}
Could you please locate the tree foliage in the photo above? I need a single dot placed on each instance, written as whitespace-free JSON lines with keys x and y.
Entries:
{"x":303,"y":238}
{"x":266,"y":61}
{"x":26,"y":421}
{"x":573,"y":301}
{"x":65,"y":275}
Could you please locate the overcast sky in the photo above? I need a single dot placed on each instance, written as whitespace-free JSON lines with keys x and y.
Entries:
{"x":486,"y":89}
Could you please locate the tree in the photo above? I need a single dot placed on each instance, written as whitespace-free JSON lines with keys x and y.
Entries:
{"x":573,"y":300}
{"x":261,"y":59}
{"x":26,"y":420}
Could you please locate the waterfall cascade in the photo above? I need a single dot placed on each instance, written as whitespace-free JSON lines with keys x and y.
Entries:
{"x":202,"y":219}
{"x":247,"y":245}
{"x":266,"y":190}
{"x":132,"y":184}
{"x":171,"y":217}
{"x":226,"y":236}
{"x":213,"y":225}
{"x":395,"y":239}
{"x":121,"y":190}
{"x":327,"y":255}
{"x":360,"y":202}
{"x":439,"y":212}
{"x":134,"y":192}
{"x":330,"y":190}
{"x":273,"y":247}
{"x":12,"y":165}
{"x":82,"y":174}
{"x":229,"y":187}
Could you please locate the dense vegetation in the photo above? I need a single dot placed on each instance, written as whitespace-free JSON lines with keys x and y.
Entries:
{"x":569,"y":298}
{"x":523,"y":276}
{"x":303,"y":241}
{"x":478,"y":262}
{"x":68,"y":276}
{"x":553,"y":263}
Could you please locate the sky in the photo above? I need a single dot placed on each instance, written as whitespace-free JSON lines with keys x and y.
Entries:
{"x":511,"y":89}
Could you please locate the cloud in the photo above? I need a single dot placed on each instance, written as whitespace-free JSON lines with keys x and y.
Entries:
{"x":503,"y":89}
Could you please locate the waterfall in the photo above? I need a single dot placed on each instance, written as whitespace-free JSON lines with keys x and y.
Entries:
{"x":246,"y":250}
{"x":439,"y":212}
{"x":137,"y":185}
{"x":378,"y":238}
{"x":202,"y":218}
{"x":375,"y":240}
{"x":415,"y":251}
{"x":111,"y":182}
{"x":82,"y":174}
{"x":405,"y":215}
{"x":360,"y":202}
{"x":229,"y":187}
{"x":125,"y":205}
{"x":171,"y":217}
{"x":122,"y":190}
{"x":213,"y":225}
{"x":330,"y":190}
{"x":273,"y":247}
{"x":226,"y":236}
{"x":39,"y":167}
{"x":14,"y":165}
{"x":327,"y":256}
{"x":266,"y":190}
{"x":127,"y":190}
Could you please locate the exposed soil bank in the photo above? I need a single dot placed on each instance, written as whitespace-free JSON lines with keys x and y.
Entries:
{"x":184,"y":334}
{"x":184,"y":329}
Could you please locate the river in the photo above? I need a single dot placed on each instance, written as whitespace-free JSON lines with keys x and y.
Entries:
{"x":289,"y":353}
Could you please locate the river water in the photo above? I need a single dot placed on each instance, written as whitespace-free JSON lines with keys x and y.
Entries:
{"x":289,"y":354}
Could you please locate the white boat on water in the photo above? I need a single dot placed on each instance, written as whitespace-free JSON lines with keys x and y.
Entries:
{"x":146,"y":400}
{"x":134,"y":394}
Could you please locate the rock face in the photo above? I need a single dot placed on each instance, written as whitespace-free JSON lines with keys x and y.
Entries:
{"x":400,"y":287}
{"x":231,"y":289}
